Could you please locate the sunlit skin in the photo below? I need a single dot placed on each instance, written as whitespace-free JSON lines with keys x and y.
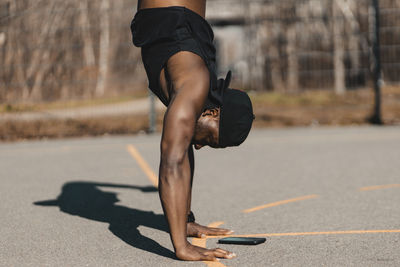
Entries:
{"x":185,"y":83}
{"x":198,"y":6}
{"x":207,"y":129}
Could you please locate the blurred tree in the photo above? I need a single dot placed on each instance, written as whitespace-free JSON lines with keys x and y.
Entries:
{"x":104,"y":47}
{"x":338,"y":48}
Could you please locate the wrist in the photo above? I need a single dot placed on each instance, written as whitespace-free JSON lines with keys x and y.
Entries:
{"x":191,"y":218}
{"x":181,"y":246}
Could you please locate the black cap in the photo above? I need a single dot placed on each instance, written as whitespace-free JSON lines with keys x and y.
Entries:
{"x":236,"y":118}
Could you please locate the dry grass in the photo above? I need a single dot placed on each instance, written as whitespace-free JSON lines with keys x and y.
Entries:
{"x":26,"y":107}
{"x":324,"y":108}
{"x":271,"y":109}
{"x":20,"y":130}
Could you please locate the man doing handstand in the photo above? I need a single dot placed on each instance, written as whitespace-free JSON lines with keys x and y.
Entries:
{"x":179,"y":58}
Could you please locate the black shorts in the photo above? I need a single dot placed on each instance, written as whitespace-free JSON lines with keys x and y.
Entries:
{"x":163,"y":32}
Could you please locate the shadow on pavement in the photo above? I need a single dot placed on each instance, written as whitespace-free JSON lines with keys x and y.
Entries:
{"x":86,"y":200}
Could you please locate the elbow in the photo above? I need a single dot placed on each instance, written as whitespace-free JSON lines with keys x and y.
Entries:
{"x":171,"y":158}
{"x":171,"y":166}
{"x":174,"y":146}
{"x":174,"y":150}
{"x":170,"y":172}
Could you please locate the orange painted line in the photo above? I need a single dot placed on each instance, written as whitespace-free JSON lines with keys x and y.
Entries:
{"x":218,"y":264}
{"x":216,"y":224}
{"x":315,"y":233}
{"x":201,"y":242}
{"x":214,"y":264}
{"x":143,"y":165}
{"x":274,"y":204}
{"x":377,"y":187}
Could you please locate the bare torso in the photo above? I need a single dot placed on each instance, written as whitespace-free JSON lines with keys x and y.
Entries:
{"x":198,"y":6}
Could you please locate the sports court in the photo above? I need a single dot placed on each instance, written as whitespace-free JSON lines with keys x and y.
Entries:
{"x":321,"y":197}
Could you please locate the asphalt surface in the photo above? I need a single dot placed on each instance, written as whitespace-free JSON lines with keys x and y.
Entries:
{"x":59,"y":200}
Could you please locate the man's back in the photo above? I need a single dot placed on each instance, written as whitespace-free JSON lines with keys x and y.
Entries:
{"x":198,"y":6}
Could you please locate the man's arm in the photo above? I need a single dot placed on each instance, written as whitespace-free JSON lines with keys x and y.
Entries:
{"x":175,"y":173}
{"x":190,"y":81}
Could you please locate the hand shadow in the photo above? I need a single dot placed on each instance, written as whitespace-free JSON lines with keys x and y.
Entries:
{"x":86,"y":200}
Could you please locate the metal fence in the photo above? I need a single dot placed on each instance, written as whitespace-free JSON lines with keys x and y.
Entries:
{"x":61,"y":50}
{"x":292,"y":45}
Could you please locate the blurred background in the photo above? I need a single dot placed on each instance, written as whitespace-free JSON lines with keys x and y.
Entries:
{"x":69,"y":68}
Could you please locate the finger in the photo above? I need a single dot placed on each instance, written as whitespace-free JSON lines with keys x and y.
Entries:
{"x":209,"y":257}
{"x":223,"y":255}
{"x":228,"y":254}
{"x":220,"y":232}
{"x":200,"y":235}
{"x":223,"y":251}
{"x":219,"y":254}
{"x":220,"y":229}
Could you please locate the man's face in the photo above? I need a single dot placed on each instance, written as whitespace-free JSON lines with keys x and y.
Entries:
{"x":207,"y":129}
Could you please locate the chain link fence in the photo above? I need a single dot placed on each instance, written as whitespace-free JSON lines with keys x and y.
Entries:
{"x":62,"y":50}
{"x":294,"y":45}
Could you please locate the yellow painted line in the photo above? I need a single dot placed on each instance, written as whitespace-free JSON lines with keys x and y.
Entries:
{"x":352,"y":232}
{"x":215,"y":224}
{"x":214,"y":264}
{"x":201,"y":242}
{"x":143,"y":165}
{"x":377,"y":187}
{"x":274,"y":204}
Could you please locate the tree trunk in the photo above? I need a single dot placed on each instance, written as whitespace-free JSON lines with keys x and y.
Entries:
{"x":88,"y":51}
{"x":338,"y":50}
{"x":104,"y":48}
{"x":276,"y":73}
{"x":42,"y":63}
{"x":293,"y":61}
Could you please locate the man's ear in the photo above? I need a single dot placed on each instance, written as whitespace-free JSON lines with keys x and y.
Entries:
{"x":197,"y":146}
{"x":214,"y":112}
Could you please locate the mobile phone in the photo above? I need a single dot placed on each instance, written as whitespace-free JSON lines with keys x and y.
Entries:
{"x":242,"y":240}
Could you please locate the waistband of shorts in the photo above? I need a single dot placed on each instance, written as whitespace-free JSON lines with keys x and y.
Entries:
{"x":184,"y":9}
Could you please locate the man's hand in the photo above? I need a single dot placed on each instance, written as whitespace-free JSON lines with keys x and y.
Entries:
{"x":195,"y":253}
{"x":200,"y":231}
